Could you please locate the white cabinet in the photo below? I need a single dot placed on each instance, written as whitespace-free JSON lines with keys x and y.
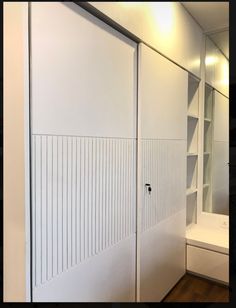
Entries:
{"x":163,"y":105}
{"x":83,"y":136}
{"x":83,"y":125}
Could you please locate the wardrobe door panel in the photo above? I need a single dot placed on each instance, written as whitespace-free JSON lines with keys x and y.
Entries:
{"x":83,"y":124}
{"x":163,"y":105}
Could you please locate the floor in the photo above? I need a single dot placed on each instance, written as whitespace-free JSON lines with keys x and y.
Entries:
{"x":195,"y":289}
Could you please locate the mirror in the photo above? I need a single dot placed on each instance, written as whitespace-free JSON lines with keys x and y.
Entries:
{"x":216,"y":152}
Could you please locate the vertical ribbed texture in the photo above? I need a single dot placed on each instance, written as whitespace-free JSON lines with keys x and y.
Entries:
{"x":164,"y":167}
{"x":84,"y":199}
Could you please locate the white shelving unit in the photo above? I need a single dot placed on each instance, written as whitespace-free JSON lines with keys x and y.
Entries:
{"x":192,"y":149}
{"x":207,"y":157}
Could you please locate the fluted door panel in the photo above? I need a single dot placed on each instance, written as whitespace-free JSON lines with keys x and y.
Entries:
{"x":164,"y":166}
{"x":83,"y":199}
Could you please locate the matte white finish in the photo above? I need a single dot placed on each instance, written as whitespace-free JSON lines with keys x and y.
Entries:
{"x":98,"y":74}
{"x":214,"y":220}
{"x":209,"y":237}
{"x":101,"y":278}
{"x":208,"y":263}
{"x":164,"y":167}
{"x":164,"y":146}
{"x":162,"y":25}
{"x":164,"y":95}
{"x":84,"y":157}
{"x":162,"y":257}
{"x":83,"y":200}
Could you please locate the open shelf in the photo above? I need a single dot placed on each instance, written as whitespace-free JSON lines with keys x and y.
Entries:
{"x":192,"y":149}
{"x":207,"y":200}
{"x":191,"y":172}
{"x":207,"y":153}
{"x":206,"y":169}
{"x":192,"y":154}
{"x":192,"y":136}
{"x":208,"y":102}
{"x":191,"y":191}
{"x":207,"y":137}
{"x":206,"y":185}
{"x":207,"y":120}
{"x":191,"y":209}
{"x":193,"y":96}
{"x":193,"y":116}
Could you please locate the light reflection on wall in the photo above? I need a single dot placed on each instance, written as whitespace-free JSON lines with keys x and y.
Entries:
{"x":211,"y":60}
{"x":163,"y":16}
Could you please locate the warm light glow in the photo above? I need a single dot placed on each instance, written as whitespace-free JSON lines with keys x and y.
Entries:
{"x":163,"y":14}
{"x":211,"y":60}
{"x":129,"y":3}
{"x":194,"y":64}
{"x":225,"y":79}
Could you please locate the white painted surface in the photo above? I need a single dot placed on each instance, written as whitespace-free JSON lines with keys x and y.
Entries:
{"x":83,"y":153}
{"x":97,"y":80}
{"x":208,"y":263}
{"x":164,"y":145}
{"x":214,"y":220}
{"x":217,"y":68}
{"x":209,"y":237}
{"x":162,"y":25}
{"x":164,"y":92}
{"x":164,"y":167}
{"x":210,"y":60}
{"x":101,"y":278}
{"x":83,"y":200}
{"x":162,"y":257}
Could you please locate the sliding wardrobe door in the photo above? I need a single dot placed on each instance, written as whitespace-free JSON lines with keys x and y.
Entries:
{"x":163,"y":129}
{"x":83,"y":125}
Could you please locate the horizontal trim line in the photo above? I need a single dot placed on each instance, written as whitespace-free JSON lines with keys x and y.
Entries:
{"x":162,"y":139}
{"x":223,"y":253}
{"x":52,"y":135}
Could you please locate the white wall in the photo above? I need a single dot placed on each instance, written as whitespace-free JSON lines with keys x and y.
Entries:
{"x":217,"y":68}
{"x":14,"y":152}
{"x":166,"y":26}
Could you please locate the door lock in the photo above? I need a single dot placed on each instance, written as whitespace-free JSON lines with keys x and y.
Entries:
{"x":149,"y":188}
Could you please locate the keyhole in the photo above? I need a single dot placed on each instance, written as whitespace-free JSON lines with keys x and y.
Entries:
{"x":149,"y":188}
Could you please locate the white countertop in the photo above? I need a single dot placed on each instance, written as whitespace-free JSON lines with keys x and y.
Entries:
{"x":212,"y":238}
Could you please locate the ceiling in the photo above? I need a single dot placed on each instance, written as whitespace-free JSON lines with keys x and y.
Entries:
{"x":213,"y":17}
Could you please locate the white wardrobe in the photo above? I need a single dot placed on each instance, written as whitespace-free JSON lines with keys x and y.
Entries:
{"x":103,"y":107}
